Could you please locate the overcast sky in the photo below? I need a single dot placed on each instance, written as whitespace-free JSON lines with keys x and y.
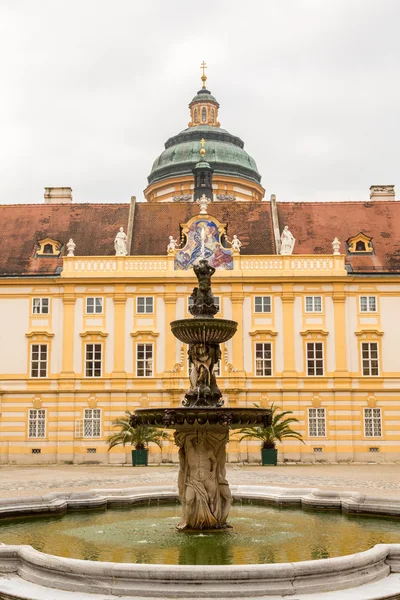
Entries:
{"x":91,"y":90}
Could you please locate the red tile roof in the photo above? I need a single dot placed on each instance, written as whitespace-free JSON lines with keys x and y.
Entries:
{"x":316,"y":224}
{"x":92,"y":226}
{"x":154,"y":223}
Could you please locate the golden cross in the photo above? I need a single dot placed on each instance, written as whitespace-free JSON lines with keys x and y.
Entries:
{"x":202,"y":142}
{"x":204,"y":76}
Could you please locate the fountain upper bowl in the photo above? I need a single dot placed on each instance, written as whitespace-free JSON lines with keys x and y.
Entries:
{"x":199,"y":330}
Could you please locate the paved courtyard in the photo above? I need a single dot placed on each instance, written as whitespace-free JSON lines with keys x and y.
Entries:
{"x":37,"y":480}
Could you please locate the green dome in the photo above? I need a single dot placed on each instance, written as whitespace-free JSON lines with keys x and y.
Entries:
{"x":224,"y":152}
{"x":204,"y":95}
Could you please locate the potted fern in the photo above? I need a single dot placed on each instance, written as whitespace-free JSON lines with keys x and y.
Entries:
{"x":139,"y":437}
{"x":279,"y":430}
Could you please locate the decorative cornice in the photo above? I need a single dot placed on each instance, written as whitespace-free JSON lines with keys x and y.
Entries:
{"x":254,"y":332}
{"x":360,"y":332}
{"x":148,"y":332}
{"x":94,"y":333}
{"x":314,"y":332}
{"x":41,"y":333}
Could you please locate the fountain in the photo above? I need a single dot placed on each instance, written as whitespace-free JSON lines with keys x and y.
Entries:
{"x":201,"y":425}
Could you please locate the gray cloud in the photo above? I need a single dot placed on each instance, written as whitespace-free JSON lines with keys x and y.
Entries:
{"x":91,"y":89}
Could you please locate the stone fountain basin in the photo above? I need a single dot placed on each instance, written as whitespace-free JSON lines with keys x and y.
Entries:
{"x":199,"y":330}
{"x":234,"y":418}
{"x":28,"y":573}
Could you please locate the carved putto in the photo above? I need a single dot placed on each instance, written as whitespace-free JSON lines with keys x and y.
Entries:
{"x":236,"y":244}
{"x":203,"y":202}
{"x":172,"y":245}
{"x":120,"y":243}
{"x":71,"y":247}
{"x":287,"y":241}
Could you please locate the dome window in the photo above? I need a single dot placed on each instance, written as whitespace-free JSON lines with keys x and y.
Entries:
{"x":212,"y":116}
{"x":359,"y":243}
{"x":48,"y":247}
{"x":203,"y":115}
{"x":195,"y":117}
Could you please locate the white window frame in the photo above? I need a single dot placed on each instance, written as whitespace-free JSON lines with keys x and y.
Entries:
{"x":144,"y":359}
{"x":317,"y":417}
{"x":369,"y":300}
{"x":40,"y":361}
{"x":366,"y":362}
{"x":313,"y":308}
{"x":315,"y":359}
{"x":37,"y":423}
{"x":95,"y":308}
{"x":92,"y":423}
{"x":217,"y":302}
{"x":265,"y":304}
{"x":41,"y":305}
{"x":264,"y":359}
{"x":374,"y":417}
{"x":145,"y":311}
{"x":91,"y":362}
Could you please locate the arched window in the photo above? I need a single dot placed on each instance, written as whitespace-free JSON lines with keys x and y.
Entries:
{"x":195,"y":115}
{"x":360,"y":246}
{"x":212,"y":116}
{"x":203,"y":115}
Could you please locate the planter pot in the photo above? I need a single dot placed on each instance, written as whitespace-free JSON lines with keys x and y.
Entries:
{"x":269,"y":456}
{"x":140,"y":458}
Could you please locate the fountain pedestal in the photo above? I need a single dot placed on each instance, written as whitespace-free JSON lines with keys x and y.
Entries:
{"x":202,"y":425}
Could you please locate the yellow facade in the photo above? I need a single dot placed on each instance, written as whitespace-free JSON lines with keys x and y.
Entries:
{"x":142,"y":365}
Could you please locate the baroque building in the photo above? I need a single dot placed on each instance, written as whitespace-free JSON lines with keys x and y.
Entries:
{"x":86,"y":307}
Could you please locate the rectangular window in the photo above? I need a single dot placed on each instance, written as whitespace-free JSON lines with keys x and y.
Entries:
{"x":37,"y":423}
{"x":264,"y":359}
{"x":94,"y":306}
{"x":313,"y":304}
{"x":372,"y":422}
{"x":315,"y":358}
{"x":40,"y":306}
{"x":316,"y":422}
{"x":92,"y":422}
{"x":144,"y":360}
{"x":262,"y":304}
{"x":39,"y":354}
{"x":370,"y":360}
{"x":93,"y":357}
{"x":145,"y":305}
{"x":216,"y":302}
{"x":367,"y":303}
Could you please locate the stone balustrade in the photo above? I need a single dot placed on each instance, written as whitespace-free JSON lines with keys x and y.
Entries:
{"x":150,"y":266}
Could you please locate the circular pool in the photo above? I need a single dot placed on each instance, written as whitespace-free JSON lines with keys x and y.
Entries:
{"x":147,"y":534}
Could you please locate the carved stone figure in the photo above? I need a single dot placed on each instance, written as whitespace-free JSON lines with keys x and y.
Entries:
{"x":203,"y":300}
{"x":287,"y":241}
{"x":336,"y":246}
{"x":120,"y":243}
{"x":236,"y":244}
{"x":203,"y":384}
{"x":203,"y":202}
{"x":71,"y":247}
{"x":203,"y":489}
{"x":172,"y":245}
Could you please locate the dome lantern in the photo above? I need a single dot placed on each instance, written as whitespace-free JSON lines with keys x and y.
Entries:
{"x":204,"y":107}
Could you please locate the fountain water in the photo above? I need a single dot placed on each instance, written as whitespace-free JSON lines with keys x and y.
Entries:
{"x":201,"y":425}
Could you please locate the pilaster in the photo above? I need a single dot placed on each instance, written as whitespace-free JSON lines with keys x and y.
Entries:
{"x":170,"y":315}
{"x":119,"y":373}
{"x":289,"y":370}
{"x":67,"y":373}
{"x":341,"y":371}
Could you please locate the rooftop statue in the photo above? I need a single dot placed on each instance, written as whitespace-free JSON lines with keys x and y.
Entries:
{"x":120,"y":243}
{"x":287,"y":241}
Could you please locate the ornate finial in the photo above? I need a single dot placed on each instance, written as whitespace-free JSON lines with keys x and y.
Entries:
{"x":204,"y":76}
{"x":203,"y":202}
{"x":202,"y":150}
